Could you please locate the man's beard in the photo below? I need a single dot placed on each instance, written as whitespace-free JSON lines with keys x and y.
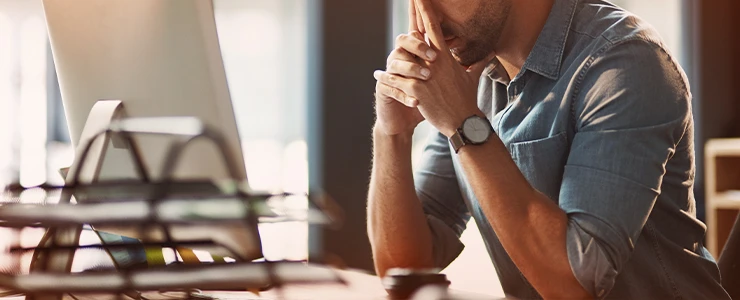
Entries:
{"x":481,"y":33}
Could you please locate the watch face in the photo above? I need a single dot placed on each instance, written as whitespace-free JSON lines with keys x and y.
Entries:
{"x":476,"y":129}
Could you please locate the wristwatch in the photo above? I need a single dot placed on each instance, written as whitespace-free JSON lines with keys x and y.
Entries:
{"x":475,"y":130}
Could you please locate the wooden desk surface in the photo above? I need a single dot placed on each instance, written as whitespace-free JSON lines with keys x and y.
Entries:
{"x":361,"y":286}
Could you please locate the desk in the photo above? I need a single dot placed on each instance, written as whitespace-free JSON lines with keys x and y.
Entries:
{"x":361,"y":286}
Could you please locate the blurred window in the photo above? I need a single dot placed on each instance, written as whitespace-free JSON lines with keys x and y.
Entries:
{"x":665,"y":16}
{"x":264,"y":47}
{"x":23,"y":89}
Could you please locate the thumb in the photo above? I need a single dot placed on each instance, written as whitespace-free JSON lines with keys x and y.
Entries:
{"x":476,"y":70}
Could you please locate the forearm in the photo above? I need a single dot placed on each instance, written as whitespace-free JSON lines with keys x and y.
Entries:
{"x":397,"y":227}
{"x":531,"y":227}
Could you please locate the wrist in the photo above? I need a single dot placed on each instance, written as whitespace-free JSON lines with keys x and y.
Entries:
{"x":402,"y":137}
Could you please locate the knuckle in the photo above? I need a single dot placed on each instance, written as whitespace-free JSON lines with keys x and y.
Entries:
{"x":408,"y":68}
{"x":397,"y":52}
{"x":381,"y":90}
{"x":391,"y":93}
{"x":390,"y":57}
{"x":421,"y":47}
{"x":400,"y":38}
{"x":405,"y":68}
{"x":394,"y":64}
{"x":397,"y":94}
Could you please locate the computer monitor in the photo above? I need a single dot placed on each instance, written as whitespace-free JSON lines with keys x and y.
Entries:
{"x":160,"y":58}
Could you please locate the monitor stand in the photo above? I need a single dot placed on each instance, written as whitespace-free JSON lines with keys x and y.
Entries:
{"x":103,"y":127}
{"x":102,"y":114}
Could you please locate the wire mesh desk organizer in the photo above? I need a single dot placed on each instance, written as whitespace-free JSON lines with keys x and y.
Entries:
{"x":155,"y":211}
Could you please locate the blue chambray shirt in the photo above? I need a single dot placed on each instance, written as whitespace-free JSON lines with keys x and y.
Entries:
{"x":599,"y":120}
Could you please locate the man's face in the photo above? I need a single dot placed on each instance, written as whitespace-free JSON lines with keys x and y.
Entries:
{"x":471,"y":27}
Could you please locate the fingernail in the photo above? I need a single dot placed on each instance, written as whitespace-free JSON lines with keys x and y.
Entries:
{"x":413,"y":102}
{"x":431,"y":54}
{"x":425,"y":72}
{"x":376,"y":74}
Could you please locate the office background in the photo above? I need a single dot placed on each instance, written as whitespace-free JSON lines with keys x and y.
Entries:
{"x":300,"y":77}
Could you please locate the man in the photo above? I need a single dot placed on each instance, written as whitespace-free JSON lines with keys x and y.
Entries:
{"x":577,"y":161}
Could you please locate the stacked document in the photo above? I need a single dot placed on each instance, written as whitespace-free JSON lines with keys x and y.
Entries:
{"x":167,"y":235}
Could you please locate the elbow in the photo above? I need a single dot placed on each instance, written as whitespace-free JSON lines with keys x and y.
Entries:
{"x":383,"y":263}
{"x":577,"y":293}
{"x":389,"y":253}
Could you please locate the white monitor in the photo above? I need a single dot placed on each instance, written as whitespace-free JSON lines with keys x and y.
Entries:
{"x":160,"y":58}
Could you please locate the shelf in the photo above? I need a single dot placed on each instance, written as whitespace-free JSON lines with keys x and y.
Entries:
{"x":723,"y":147}
{"x":722,"y":175}
{"x":726,"y":200}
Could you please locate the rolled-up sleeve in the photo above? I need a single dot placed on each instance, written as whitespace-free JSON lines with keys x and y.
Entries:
{"x":439,"y":193}
{"x":632,"y":110}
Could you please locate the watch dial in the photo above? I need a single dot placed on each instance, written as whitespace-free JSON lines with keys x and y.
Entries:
{"x":476,"y":130}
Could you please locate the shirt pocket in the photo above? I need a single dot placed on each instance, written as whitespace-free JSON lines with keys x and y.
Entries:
{"x":542,"y":162}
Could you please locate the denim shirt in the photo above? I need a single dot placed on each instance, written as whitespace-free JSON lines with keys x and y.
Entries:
{"x":599,"y":120}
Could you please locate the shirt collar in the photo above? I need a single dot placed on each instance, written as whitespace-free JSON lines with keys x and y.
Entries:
{"x":547,"y":54}
{"x":496,"y":72}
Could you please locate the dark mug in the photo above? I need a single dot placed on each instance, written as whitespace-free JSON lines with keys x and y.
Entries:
{"x":402,"y":283}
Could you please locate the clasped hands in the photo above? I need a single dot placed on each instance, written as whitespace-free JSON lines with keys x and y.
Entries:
{"x":424,"y":81}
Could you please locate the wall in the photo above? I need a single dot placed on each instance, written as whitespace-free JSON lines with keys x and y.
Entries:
{"x":716,"y":82}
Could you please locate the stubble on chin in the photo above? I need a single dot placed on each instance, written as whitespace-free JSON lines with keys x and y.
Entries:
{"x":485,"y":29}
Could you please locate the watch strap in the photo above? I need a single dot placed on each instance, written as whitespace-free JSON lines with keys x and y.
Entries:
{"x":457,"y":140}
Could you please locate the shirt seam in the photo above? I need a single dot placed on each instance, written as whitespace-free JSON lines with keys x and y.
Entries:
{"x":684,"y":87}
{"x":503,"y":114}
{"x":658,"y":192}
{"x":583,"y":33}
{"x":656,"y":248}
{"x":600,"y":54}
{"x":552,"y":72}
